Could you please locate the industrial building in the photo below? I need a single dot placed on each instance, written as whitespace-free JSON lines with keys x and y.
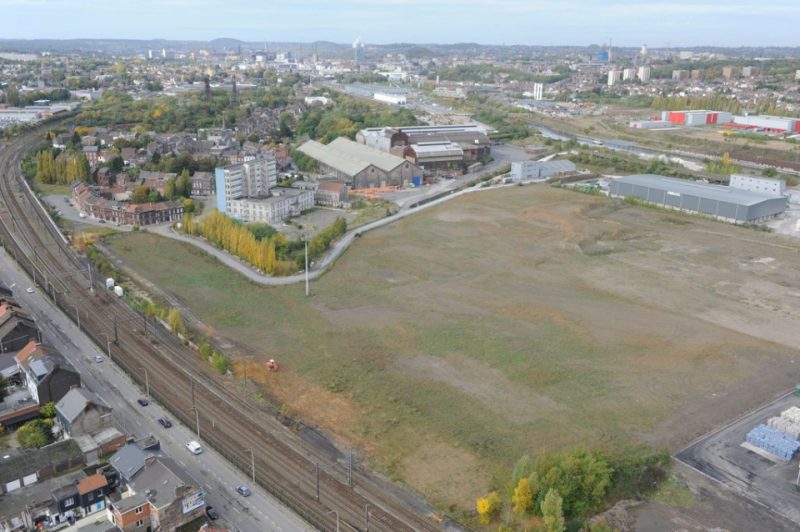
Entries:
{"x":758,"y":184}
{"x":770,"y":124}
{"x":540,"y":170}
{"x":359,"y":165}
{"x":722,"y":202}
{"x":432,"y":148}
{"x":696,"y":117}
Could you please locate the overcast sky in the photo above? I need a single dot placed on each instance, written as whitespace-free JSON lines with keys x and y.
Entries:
{"x":535,"y":22}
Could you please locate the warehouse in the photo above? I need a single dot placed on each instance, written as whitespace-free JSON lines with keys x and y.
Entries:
{"x":770,"y":124}
{"x":472,"y":139}
{"x":696,"y":117}
{"x":725,"y":203}
{"x":432,"y":156}
{"x":360,"y":166}
{"x":540,"y":170}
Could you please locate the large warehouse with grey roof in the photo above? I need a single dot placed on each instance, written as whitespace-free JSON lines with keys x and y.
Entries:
{"x":726,"y":203}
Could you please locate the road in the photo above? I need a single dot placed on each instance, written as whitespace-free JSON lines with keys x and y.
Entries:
{"x":258,"y":512}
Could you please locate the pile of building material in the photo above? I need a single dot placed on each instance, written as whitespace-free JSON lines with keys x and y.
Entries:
{"x":788,"y":422}
{"x":773,"y":441}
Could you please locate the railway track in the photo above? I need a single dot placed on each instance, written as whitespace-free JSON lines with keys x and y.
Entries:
{"x":304,"y":478}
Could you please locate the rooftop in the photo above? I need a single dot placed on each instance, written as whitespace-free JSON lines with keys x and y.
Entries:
{"x":18,"y":463}
{"x":350,"y":157}
{"x":684,"y":186}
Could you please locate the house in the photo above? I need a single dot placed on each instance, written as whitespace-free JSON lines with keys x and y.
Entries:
{"x":23,"y":467}
{"x":92,"y":154}
{"x":203,"y":184}
{"x":92,"y":491}
{"x":331,"y":194}
{"x":82,"y":412}
{"x":37,"y":506}
{"x":160,"y":496}
{"x":16,"y":327}
{"x":128,"y":461}
{"x":48,"y":375}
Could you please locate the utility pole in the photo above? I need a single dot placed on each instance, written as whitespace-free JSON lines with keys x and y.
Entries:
{"x":245,"y":373}
{"x":116,"y":336}
{"x":146,"y":381}
{"x":366,"y":515}
{"x":350,"y":467}
{"x":317,"y":474}
{"x":305,"y":240}
{"x":196,"y":411}
{"x":253,"y":465}
{"x":78,"y":316}
{"x":91,"y":279}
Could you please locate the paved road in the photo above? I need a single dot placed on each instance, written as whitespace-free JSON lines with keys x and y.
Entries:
{"x":408,"y":206}
{"x":256,"y":513}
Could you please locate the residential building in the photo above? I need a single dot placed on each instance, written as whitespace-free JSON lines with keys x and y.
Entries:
{"x":628,"y":74}
{"x":643,"y":74}
{"x":538,"y":91}
{"x":331,"y":194}
{"x":81,"y":411}
{"x":89,"y":200}
{"x":161,"y":496}
{"x":538,"y":170}
{"x":48,"y":375}
{"x":284,"y":202}
{"x":697,"y":74}
{"x":16,"y":327}
{"x":614,"y":77}
{"x":37,"y":507}
{"x":203,"y":184}
{"x":249,"y":179}
{"x":729,"y":72}
{"x":128,"y":461}
{"x":92,"y":491}
{"x":359,"y":165}
{"x":680,"y":75}
{"x":722,"y":202}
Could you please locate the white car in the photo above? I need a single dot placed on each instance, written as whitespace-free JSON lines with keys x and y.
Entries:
{"x":194,"y":447}
{"x":98,"y":358}
{"x":29,"y":290}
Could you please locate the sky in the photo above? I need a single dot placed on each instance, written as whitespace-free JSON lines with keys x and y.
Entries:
{"x":657,"y":23}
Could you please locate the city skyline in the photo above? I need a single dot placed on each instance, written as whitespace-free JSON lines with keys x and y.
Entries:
{"x":679,"y":23}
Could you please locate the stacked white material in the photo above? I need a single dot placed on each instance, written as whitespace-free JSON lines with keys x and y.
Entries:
{"x":792,"y":414}
{"x":787,"y":426}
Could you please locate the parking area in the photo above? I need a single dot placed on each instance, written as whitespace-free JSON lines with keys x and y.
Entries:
{"x":67,"y":210}
{"x":722,"y":457}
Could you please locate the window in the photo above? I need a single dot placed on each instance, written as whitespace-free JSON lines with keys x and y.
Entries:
{"x":69,"y":502}
{"x":140,"y":522}
{"x":140,"y":509}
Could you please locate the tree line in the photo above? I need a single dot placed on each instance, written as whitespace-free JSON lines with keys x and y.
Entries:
{"x":259,"y":244}
{"x":556,"y":492}
{"x":62,"y":168}
{"x":713,"y":102}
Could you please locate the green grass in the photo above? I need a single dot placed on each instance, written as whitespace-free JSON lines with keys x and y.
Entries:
{"x":674,"y":493}
{"x":481,"y":329}
{"x":53,"y":189}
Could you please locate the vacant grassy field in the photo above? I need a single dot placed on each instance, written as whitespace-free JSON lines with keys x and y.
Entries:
{"x":511,"y":321}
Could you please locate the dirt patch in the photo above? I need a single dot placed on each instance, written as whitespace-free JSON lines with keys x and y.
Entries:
{"x":448,"y":474}
{"x":514,"y":401}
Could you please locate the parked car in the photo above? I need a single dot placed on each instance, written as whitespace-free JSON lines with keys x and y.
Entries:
{"x":142,"y":401}
{"x":243,"y":490}
{"x":194,"y":447}
{"x":164,"y":422}
{"x":29,"y":290}
{"x":98,"y":358}
{"x":212,"y":513}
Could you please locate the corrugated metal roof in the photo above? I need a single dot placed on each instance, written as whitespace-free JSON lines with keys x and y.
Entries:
{"x":694,"y":188}
{"x":350,"y":157}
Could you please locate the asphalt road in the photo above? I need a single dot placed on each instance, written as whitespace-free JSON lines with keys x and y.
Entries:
{"x":256,"y":513}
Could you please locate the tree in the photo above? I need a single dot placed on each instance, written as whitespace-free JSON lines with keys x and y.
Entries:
{"x":140,"y":194}
{"x":175,"y":321}
{"x":220,"y":362}
{"x":12,"y":95}
{"x":769,"y":172}
{"x":117,"y":164}
{"x":488,"y":507}
{"x":48,"y":410}
{"x":552,"y":512}
{"x":523,"y":496}
{"x":34,"y":434}
{"x":3,"y":388}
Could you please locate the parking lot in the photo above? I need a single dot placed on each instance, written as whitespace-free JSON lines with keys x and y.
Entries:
{"x":721,"y":457}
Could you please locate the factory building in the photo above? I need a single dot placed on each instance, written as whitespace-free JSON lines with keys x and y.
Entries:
{"x":359,"y":165}
{"x":758,"y":184}
{"x":771,"y":124}
{"x":428,"y":144}
{"x":722,"y":202}
{"x":696,"y":117}
{"x":540,"y":170}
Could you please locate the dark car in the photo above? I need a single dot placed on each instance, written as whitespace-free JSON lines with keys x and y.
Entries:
{"x":211,"y":513}
{"x":164,"y":422}
{"x":243,"y":490}
{"x":142,"y":401}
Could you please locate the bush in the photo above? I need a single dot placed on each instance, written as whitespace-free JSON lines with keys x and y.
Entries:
{"x":34,"y":434}
{"x":219,"y":362}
